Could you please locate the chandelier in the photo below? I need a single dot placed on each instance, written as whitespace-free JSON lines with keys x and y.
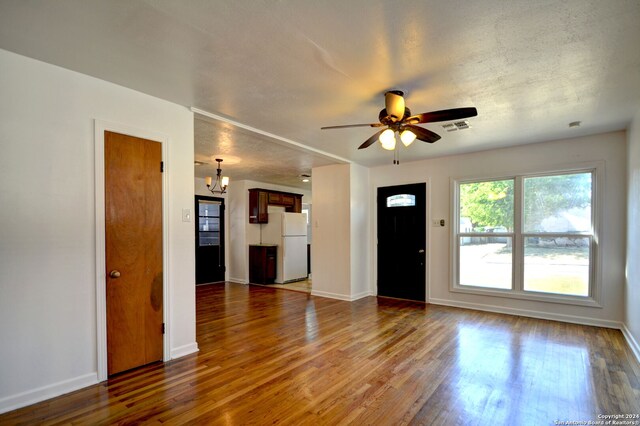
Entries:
{"x":221,"y":183}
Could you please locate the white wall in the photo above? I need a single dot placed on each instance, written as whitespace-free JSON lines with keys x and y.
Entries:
{"x":47,"y":223}
{"x":331,"y":251}
{"x":632,"y":317}
{"x":242,"y":233}
{"x":341,"y":252}
{"x":238,"y":207}
{"x":438,"y":172}
{"x":360,"y":227}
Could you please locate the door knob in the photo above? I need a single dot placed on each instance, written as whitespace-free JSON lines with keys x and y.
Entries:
{"x":421,"y":251}
{"x":114,"y":274}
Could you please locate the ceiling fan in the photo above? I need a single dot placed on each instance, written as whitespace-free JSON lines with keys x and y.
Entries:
{"x":396,"y":117}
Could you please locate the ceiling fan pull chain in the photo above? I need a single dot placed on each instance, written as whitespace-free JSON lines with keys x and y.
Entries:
{"x":396,"y":155}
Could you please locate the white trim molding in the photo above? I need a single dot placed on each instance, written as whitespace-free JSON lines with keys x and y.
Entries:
{"x":184,"y":350}
{"x":100,"y":127}
{"x":518,"y":234}
{"x":633,"y":343}
{"x":574,"y":319}
{"x":276,"y":138}
{"x":23,"y":399}
{"x":339,"y":296}
{"x":429,"y":215}
{"x":361,"y":295}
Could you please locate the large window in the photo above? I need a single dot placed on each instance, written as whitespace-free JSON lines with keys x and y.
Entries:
{"x":529,"y":236}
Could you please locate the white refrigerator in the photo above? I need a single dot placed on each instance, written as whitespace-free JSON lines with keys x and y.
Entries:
{"x":289,"y":232}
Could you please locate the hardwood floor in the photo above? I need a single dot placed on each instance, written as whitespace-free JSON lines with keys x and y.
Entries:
{"x":303,"y":286}
{"x":273,"y":356}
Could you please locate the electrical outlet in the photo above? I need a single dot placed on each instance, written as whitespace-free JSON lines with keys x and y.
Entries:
{"x":437,"y":223}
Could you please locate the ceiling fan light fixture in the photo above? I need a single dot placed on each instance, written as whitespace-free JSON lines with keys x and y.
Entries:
{"x":388,"y":139}
{"x":394,"y":104}
{"x":407,"y":137}
{"x":396,"y":117}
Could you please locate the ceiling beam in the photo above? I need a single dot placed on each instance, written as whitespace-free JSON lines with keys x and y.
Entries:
{"x":285,"y":141}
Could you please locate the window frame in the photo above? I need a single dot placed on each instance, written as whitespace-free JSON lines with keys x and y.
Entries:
{"x":411,"y":197}
{"x":518,"y":237}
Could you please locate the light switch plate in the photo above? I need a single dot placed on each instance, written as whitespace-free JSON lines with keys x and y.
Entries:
{"x":437,"y":223}
{"x":186,"y":215}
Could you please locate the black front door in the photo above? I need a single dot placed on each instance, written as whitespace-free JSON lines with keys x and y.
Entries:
{"x":209,"y":239}
{"x":401,"y":241}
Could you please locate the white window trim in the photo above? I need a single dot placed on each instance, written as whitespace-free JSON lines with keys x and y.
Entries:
{"x":595,"y":276}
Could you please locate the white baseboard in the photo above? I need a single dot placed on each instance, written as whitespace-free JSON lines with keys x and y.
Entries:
{"x":339,"y":296}
{"x":330,"y":295}
{"x":184,"y":350}
{"x":633,"y":343}
{"x":23,"y":399}
{"x":237,"y":280}
{"x":361,"y":295}
{"x":530,"y":313}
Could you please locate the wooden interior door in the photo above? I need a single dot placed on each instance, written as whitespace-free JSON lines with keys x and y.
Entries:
{"x":402,"y":241}
{"x":133,"y":231}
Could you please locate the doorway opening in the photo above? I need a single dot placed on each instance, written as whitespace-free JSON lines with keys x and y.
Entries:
{"x":100,"y":129}
{"x":210,"y":234}
{"x":402,"y":241}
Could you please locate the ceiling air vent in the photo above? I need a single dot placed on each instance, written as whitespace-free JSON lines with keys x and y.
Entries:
{"x":458,"y":125}
{"x":464,"y":124}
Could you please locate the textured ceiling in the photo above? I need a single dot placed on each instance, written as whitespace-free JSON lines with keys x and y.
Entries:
{"x":289,"y":67}
{"x":246,"y":156}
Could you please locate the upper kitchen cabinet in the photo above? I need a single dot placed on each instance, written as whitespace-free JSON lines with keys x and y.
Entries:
{"x":260,"y":199}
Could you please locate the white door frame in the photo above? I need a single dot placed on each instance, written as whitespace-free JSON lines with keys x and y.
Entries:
{"x":100,"y":127}
{"x":374,"y":231}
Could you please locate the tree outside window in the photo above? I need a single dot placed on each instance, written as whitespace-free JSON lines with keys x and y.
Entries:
{"x":552,"y":230}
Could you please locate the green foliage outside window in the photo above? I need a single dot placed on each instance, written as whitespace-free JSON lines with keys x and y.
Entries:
{"x":549,"y":196}
{"x":488,"y":204}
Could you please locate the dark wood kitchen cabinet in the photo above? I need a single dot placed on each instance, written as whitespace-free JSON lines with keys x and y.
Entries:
{"x":262,"y":263}
{"x":258,"y":202}
{"x":260,"y":199}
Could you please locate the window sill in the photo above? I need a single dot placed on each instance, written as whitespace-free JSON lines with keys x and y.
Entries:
{"x":528,"y":296}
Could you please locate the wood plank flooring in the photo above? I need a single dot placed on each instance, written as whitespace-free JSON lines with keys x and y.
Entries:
{"x":303,"y":286}
{"x":272,"y":356}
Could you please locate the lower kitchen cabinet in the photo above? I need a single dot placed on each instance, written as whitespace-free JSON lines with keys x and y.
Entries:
{"x":262,"y":263}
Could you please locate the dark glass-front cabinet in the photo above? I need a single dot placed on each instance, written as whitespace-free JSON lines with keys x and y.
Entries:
{"x":210,"y":265}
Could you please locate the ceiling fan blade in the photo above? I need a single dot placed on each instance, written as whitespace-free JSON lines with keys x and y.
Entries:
{"x":352,"y":125}
{"x":394,"y":104}
{"x":442,"y":115}
{"x":423,"y":134}
{"x":371,"y":140}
